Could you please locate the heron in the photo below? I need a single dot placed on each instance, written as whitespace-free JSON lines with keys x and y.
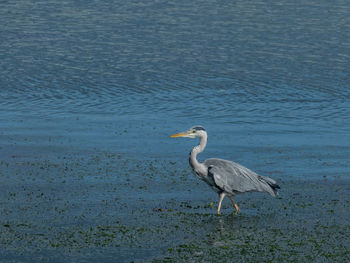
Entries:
{"x":225,"y":177}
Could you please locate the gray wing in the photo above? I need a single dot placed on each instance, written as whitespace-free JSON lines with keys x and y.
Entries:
{"x":234,"y":178}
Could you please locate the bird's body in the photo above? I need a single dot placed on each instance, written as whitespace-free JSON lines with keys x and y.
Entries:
{"x":225,"y":177}
{"x":241,"y":179}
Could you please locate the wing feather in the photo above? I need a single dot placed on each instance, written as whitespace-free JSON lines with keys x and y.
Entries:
{"x":234,"y":178}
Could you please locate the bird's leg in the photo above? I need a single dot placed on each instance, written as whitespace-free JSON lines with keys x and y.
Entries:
{"x":221,"y":197}
{"x":235,"y":205}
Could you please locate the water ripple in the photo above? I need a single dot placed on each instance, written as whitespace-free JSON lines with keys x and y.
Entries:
{"x":242,"y":61}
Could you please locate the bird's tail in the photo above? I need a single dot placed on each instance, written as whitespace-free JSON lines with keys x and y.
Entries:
{"x":272,"y":183}
{"x":275,"y":187}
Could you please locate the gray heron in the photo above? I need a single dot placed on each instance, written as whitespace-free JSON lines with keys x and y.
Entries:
{"x":225,"y":177}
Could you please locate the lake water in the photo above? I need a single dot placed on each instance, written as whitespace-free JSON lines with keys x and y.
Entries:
{"x":269,"y":80}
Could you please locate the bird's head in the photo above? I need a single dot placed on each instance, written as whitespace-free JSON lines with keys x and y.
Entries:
{"x":194,"y":132}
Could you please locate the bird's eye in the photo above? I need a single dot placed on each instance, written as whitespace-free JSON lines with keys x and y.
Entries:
{"x":194,"y":131}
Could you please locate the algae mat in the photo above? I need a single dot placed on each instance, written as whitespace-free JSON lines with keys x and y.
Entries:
{"x":105,"y":208}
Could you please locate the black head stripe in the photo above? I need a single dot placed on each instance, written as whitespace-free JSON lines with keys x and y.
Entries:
{"x":198,"y":128}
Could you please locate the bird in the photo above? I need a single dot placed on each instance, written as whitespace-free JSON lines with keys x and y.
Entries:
{"x":225,"y":177}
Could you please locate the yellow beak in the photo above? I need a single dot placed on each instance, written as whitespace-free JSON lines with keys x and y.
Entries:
{"x":181,"y":134}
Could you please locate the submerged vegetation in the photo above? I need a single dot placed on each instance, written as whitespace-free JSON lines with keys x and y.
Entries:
{"x":104,"y":206}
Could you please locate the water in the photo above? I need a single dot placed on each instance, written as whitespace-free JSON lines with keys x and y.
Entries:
{"x":268,"y":80}
{"x":255,"y":74}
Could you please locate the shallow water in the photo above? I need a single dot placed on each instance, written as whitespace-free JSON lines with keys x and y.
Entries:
{"x":90,"y":92}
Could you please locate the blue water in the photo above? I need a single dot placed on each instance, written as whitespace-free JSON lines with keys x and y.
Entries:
{"x":91,"y":90}
{"x":268,"y":79}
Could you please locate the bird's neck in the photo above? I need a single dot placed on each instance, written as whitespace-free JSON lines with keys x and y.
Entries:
{"x":197,"y":166}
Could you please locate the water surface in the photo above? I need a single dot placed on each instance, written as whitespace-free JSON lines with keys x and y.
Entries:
{"x":91,"y":90}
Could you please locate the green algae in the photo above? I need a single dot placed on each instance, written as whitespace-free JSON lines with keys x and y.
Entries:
{"x":103,"y":207}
